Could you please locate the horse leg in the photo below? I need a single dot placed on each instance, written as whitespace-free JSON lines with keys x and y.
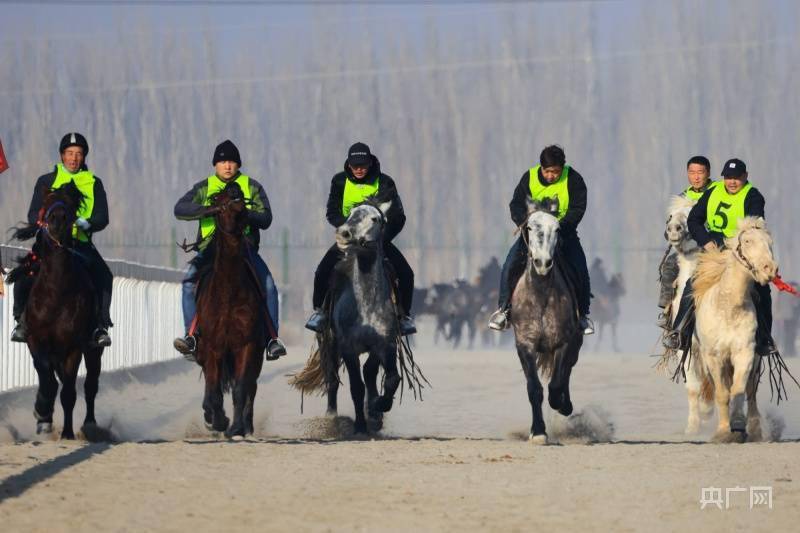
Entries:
{"x":69,"y":375}
{"x":45,"y":395}
{"x":214,"y":411}
{"x":92,"y":384}
{"x":356,"y":391}
{"x":693,"y":385}
{"x":527,"y":357}
{"x":600,"y":326}
{"x":721,"y":397}
{"x":753,"y":416}
{"x":614,"y":343}
{"x":243,"y":375}
{"x":371,"y":381}
{"x":742,"y":365}
{"x":558,"y":388}
{"x":391,"y":380}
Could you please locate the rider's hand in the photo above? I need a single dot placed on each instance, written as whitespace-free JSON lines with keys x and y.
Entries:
{"x":709,"y":246}
{"x":83,"y":224}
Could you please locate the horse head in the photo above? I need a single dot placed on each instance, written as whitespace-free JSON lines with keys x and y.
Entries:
{"x":752,"y":246}
{"x":364,"y":227}
{"x":59,"y":213}
{"x":541,"y":234}
{"x":231,"y":206}
{"x":677,"y":229}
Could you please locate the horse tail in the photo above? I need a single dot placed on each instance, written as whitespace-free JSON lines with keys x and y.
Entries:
{"x":227,"y":373}
{"x":322,"y":366}
{"x":24,"y":232}
{"x":545,"y":363}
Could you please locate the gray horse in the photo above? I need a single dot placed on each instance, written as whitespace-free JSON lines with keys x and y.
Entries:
{"x":545,"y":317}
{"x":363,"y":320}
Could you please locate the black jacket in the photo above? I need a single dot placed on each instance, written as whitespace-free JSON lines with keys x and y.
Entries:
{"x":387,"y":192}
{"x":99,"y":219}
{"x":259,"y":214}
{"x":753,"y":207}
{"x":577,"y":201}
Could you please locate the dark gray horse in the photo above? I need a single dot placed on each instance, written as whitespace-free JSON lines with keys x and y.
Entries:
{"x":545,"y":318}
{"x":363,"y":320}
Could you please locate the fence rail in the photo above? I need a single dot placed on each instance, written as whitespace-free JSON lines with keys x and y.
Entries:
{"x":146,"y":311}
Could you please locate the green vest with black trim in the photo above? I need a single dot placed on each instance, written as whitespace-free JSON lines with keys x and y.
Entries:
{"x":724,"y":210}
{"x":215,"y":185}
{"x":557,"y":189}
{"x":84,"y":181}
{"x":692,"y":194}
{"x":355,"y":193}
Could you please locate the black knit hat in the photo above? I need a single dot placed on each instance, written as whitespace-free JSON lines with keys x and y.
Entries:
{"x":359,"y":155}
{"x":226,"y":151}
{"x":73,"y":139}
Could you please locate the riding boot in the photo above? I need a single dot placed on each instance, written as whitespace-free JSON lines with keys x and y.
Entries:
{"x":762,"y":298}
{"x":407,"y":326}
{"x":317,"y":320}
{"x":672,"y":338}
{"x":586,"y":325}
{"x":20,"y":332}
{"x":667,"y":276}
{"x":499,"y":319}
{"x":275,"y":349}
{"x":513,"y":268}
{"x":186,"y":345}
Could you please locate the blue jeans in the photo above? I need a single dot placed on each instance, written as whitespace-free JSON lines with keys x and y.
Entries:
{"x":189,"y":287}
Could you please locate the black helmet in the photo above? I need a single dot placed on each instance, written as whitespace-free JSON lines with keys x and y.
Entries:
{"x":73,"y":139}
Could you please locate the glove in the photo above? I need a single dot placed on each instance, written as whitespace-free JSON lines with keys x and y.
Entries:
{"x":83,"y":224}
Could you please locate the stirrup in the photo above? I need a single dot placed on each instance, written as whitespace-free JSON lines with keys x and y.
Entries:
{"x":587,"y":326}
{"x":275,"y":349}
{"x":671,"y":340}
{"x":19,"y":333}
{"x":100,"y":338}
{"x":186,"y":345}
{"x":407,"y":326}
{"x":317,"y":320}
{"x":499,"y":320}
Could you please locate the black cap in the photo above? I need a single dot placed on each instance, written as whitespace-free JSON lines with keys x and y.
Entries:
{"x":734,"y":168}
{"x":226,"y":151}
{"x":359,"y":155}
{"x":73,"y":139}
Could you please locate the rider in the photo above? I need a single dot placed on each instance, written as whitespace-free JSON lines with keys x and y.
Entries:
{"x":196,"y":205}
{"x":715,"y":218}
{"x":552,"y":178}
{"x":698,"y":172}
{"x":92,"y":217}
{"x":361,"y":179}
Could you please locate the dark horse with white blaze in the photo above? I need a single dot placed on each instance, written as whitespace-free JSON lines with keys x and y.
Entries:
{"x":363,"y":319}
{"x":231,"y":319}
{"x":60,"y":313}
{"x":545,"y":317}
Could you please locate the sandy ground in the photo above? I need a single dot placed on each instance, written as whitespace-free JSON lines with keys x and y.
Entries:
{"x":455,"y":461}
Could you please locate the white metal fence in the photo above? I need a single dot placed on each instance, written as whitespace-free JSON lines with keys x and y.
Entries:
{"x":146,"y":315}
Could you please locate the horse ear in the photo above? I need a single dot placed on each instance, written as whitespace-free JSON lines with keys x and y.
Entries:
{"x":761,"y":223}
{"x":532,"y":205}
{"x":384,"y":207}
{"x":553,"y":206}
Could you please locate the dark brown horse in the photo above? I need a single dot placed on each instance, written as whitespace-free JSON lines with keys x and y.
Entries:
{"x":60,"y":312}
{"x":231,"y":319}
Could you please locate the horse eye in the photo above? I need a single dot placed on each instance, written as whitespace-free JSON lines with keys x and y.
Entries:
{"x":375,"y":219}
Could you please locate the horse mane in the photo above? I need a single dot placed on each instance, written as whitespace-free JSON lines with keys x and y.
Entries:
{"x":679,"y":203}
{"x":25,"y":231}
{"x":710,"y":266}
{"x":747,"y":223}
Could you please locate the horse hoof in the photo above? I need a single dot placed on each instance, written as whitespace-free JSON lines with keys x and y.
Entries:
{"x":221,"y":425}
{"x":555,"y":398}
{"x":382,"y":404}
{"x":44,"y":427}
{"x":237,"y":438}
{"x":67,"y":435}
{"x":331,"y":413}
{"x":729,"y":437}
{"x":209,"y":427}
{"x":360,"y":427}
{"x":539,"y":440}
{"x":566,"y":409}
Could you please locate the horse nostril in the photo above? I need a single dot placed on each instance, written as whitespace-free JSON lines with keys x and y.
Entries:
{"x":538,"y":263}
{"x":548,"y":263}
{"x":345,"y":234}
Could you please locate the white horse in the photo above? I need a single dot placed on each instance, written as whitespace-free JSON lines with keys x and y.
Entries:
{"x":726,"y":325}
{"x":686,"y":250}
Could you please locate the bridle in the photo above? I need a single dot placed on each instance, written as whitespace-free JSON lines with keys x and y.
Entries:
{"x":44,"y":227}
{"x":741,"y":257}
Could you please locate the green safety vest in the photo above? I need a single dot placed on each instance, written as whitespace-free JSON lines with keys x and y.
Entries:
{"x":355,"y":193}
{"x":724,"y":210}
{"x":213,"y":186}
{"x":691,"y":194}
{"x":84,"y":181}
{"x":557,"y":189}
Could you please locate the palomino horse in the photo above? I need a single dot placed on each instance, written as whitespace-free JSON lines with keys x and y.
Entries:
{"x":726,"y":325}
{"x":60,"y":312}
{"x":687,"y":251}
{"x":545,"y":318}
{"x":231,"y":319}
{"x":363,"y":319}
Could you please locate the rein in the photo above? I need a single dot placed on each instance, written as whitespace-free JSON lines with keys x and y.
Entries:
{"x":741,"y":257}
{"x":45,"y":227}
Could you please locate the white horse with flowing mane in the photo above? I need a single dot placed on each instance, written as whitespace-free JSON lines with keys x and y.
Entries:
{"x":687,"y":251}
{"x":726,"y":325}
